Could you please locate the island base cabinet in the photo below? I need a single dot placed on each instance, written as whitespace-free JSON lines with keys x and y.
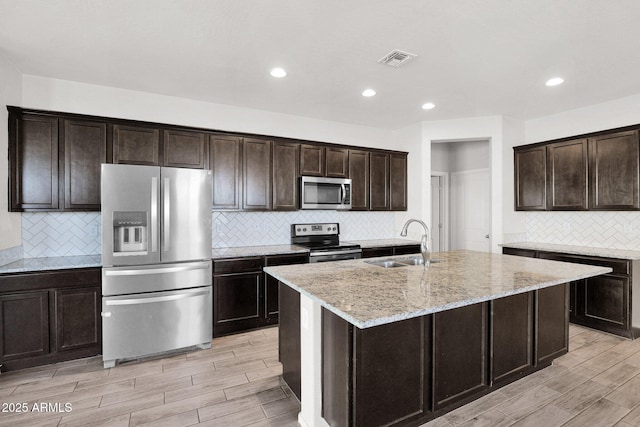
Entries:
{"x":388,"y":385}
{"x":408,"y":372}
{"x":459,"y":358}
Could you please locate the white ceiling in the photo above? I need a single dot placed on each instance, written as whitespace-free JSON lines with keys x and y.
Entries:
{"x":475,"y":57}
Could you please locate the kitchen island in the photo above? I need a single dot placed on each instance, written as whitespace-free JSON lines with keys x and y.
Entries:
{"x":365,"y":345}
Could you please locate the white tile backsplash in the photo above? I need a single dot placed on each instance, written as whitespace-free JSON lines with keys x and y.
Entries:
{"x":619,"y":230}
{"x":53,"y":234}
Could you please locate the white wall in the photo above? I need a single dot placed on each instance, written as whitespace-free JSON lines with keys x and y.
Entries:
{"x":68,"y":96}
{"x":459,"y":156}
{"x":10,"y":94}
{"x":607,"y":115}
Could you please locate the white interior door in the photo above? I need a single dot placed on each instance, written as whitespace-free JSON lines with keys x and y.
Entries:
{"x":471,"y":210}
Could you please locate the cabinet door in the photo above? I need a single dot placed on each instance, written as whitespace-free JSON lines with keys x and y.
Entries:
{"x":78,"y":321}
{"x":337,"y":162}
{"x":236,"y":302}
{"x":271,"y":307}
{"x":285,"y":176}
{"x":530,"y":174}
{"x":359,"y":174}
{"x":312,"y":160}
{"x":512,"y":340}
{"x":24,"y":325}
{"x":183,"y":149}
{"x":85,"y":149}
{"x":567,"y":175}
{"x":459,"y":359}
{"x":406,"y":249}
{"x":256,"y":168}
{"x":614,"y":171}
{"x":136,"y":145}
{"x":398,"y":182}
{"x":606,"y":301}
{"x":552,"y":309}
{"x":34,"y":162}
{"x":224,"y":162}
{"x":379,"y":181}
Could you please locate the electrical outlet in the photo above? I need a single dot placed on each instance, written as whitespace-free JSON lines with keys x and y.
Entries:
{"x":96,"y":230}
{"x":566,"y":226}
{"x":218,"y":227}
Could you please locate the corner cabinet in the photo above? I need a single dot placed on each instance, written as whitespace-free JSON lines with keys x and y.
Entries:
{"x":599,"y":171}
{"x":49,"y":317}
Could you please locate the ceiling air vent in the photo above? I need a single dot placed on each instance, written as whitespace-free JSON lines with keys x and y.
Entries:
{"x":396,"y":58}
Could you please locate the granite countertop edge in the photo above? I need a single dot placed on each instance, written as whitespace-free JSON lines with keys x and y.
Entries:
{"x":627,"y":254}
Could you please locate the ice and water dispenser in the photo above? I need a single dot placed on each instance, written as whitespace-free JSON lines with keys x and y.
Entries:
{"x":129,"y":233}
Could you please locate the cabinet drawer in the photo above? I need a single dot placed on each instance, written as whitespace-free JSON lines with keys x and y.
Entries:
{"x":375,"y":252}
{"x":237,"y":265}
{"x":286,"y":259}
{"x":519,"y":252}
{"x":406,"y":249}
{"x":619,"y":266}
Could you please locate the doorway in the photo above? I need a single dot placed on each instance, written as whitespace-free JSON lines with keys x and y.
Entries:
{"x":461,"y":195}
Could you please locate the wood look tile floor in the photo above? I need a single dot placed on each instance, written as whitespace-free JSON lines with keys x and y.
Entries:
{"x":237,"y":383}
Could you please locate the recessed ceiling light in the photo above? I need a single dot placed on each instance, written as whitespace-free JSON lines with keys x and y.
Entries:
{"x":555,"y":81}
{"x":278,"y":72}
{"x":368,"y":92}
{"x":428,"y":105}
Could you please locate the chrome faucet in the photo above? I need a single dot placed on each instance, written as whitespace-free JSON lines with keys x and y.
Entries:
{"x":424,"y":241}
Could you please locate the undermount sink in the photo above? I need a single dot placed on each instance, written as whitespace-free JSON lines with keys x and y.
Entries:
{"x":400,"y":262}
{"x":386,"y":263}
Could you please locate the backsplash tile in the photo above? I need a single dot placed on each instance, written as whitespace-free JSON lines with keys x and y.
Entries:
{"x":231,"y":229}
{"x":78,"y":233}
{"x":61,"y":234}
{"x":619,"y":230}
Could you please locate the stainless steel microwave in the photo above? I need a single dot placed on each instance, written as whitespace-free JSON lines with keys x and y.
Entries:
{"x":325,"y":193}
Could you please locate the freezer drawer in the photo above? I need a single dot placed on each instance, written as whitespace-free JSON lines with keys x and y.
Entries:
{"x":155,"y":277}
{"x":144,"y":324}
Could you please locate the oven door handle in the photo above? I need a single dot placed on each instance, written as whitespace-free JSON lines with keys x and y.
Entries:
{"x":351,"y":251}
{"x":149,"y":300}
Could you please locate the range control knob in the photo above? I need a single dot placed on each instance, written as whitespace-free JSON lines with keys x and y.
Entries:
{"x":304,"y":229}
{"x":298,"y":229}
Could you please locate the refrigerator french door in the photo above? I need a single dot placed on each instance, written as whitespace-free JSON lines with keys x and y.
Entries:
{"x":156,"y":257}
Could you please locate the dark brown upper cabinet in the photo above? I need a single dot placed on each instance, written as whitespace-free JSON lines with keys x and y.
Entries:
{"x":312,"y":160}
{"x":136,"y":145}
{"x":336,"y":162}
{"x":614,"y":171}
{"x":530,"y":170}
{"x":256,"y":174}
{"x":379,"y":181}
{"x":359,"y":174}
{"x":85,"y":149}
{"x":599,"y":171}
{"x":225,"y":154}
{"x":398,"y":182}
{"x":567,"y":175}
{"x":34,"y":162}
{"x":184,"y":149}
{"x":285,"y":176}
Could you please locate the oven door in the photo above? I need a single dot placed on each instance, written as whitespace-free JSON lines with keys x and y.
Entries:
{"x":335,"y":256}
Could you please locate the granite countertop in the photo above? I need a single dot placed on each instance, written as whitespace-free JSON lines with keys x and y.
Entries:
{"x":367,"y":295}
{"x":51,"y":263}
{"x":577,"y":250}
{"x":376,"y":243}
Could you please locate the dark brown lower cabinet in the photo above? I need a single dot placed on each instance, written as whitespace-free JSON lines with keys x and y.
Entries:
{"x":390,"y":250}
{"x":244,"y":297}
{"x":49,"y":317}
{"x":414,"y":370}
{"x":603,"y":302}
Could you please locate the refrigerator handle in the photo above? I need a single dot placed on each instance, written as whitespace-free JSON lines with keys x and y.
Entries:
{"x":166,"y":243}
{"x":154,"y":214}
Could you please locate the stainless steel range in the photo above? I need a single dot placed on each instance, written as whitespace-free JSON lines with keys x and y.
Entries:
{"x":323,"y":242}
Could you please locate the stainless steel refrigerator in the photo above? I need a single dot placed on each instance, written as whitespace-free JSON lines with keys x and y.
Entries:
{"x":156,"y":260}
